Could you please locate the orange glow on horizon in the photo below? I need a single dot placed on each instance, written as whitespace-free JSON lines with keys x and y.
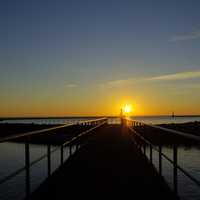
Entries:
{"x":106,"y":105}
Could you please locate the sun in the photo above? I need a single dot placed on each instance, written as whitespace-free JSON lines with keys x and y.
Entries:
{"x":127,"y":109}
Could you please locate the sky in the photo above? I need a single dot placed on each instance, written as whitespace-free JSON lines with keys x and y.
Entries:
{"x":90,"y":57}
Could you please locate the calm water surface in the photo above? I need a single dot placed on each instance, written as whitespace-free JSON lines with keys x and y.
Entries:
{"x":146,"y":119}
{"x":167,"y":119}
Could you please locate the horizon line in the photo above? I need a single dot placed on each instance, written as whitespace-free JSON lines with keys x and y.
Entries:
{"x":93,"y":116}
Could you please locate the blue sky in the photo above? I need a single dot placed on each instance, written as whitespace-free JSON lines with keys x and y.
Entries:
{"x":63,"y":52}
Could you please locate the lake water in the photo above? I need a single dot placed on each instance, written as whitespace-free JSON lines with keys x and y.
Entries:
{"x":14,"y":159}
{"x":145,"y":119}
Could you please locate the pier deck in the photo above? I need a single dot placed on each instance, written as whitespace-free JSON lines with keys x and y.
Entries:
{"x":107,"y":166}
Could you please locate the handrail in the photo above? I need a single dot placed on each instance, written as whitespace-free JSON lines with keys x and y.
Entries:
{"x":20,"y":135}
{"x":92,"y":120}
{"x":180,"y":133}
{"x":15,"y":136}
{"x":166,"y":157}
{"x":83,"y":133}
{"x":174,"y":161}
{"x":66,"y":143}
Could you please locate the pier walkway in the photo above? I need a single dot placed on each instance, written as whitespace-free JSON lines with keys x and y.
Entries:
{"x":108,"y":165}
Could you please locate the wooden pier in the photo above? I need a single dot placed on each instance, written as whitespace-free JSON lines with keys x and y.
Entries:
{"x":108,"y":165}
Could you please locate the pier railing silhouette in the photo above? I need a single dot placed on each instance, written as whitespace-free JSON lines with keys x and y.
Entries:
{"x":132,"y":124}
{"x":92,"y":124}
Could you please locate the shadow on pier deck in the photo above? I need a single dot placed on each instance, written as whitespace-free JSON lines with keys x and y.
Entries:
{"x":108,"y":166}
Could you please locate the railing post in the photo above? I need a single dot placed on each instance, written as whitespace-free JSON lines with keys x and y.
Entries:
{"x":49,"y":160}
{"x":61,"y":155}
{"x":70,"y":150}
{"x":175,"y":177}
{"x":160,"y":159}
{"x":27,"y":167}
{"x":151,"y":156}
{"x":144,"y":147}
{"x":76,"y":147}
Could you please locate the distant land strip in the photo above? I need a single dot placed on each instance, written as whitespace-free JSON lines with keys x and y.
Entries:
{"x":78,"y":117}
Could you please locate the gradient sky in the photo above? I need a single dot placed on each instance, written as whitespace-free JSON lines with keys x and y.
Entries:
{"x":89,"y":57}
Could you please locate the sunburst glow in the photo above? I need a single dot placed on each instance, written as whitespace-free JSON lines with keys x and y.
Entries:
{"x":127,"y":109}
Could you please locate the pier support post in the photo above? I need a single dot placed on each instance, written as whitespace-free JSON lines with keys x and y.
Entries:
{"x":144,"y":148}
{"x":175,"y":177}
{"x":151,"y":156}
{"x":61,"y":155}
{"x":49,"y":160}
{"x":70,"y":150}
{"x":160,"y":160}
{"x":27,"y":167}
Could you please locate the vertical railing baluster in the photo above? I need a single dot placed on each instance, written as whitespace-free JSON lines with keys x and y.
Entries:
{"x":27,"y":167}
{"x":49,"y":160}
{"x":70,"y":150}
{"x":160,"y":160}
{"x":151,"y":156}
{"x":144,"y":148}
{"x":61,"y":155}
{"x":175,"y":177}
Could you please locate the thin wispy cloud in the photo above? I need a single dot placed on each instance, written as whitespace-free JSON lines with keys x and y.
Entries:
{"x":187,"y":36}
{"x":117,"y":83}
{"x":176,"y":76}
{"x":71,"y":85}
{"x":167,"y":77}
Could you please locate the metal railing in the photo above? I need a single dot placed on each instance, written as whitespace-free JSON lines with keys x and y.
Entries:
{"x":93,"y":124}
{"x":132,"y":124}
